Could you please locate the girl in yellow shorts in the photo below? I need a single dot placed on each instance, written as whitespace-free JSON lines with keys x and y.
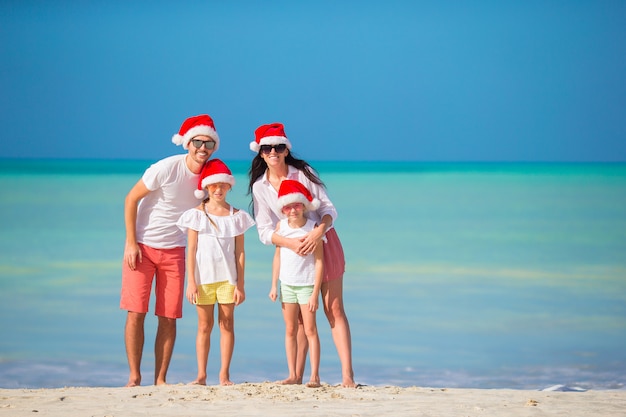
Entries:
{"x":215,"y":264}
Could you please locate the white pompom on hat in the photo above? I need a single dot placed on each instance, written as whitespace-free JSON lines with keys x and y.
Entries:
{"x":213,"y":171}
{"x":292,"y":191}
{"x":194,"y":126}
{"x":271,"y":134}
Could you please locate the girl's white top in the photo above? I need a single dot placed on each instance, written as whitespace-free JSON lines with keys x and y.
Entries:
{"x":267,"y":214}
{"x":215,"y":255}
{"x":296,"y":269}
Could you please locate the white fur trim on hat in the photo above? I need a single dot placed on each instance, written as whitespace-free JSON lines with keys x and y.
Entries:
{"x":212,"y":179}
{"x":297,"y":198}
{"x":196,"y":131}
{"x":269,"y":140}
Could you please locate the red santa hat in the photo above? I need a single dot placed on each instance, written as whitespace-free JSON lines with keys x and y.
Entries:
{"x":271,"y":134}
{"x":194,"y":126}
{"x":292,"y":191}
{"x":213,"y":171}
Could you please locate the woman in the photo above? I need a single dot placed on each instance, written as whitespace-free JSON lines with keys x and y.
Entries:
{"x":272,"y":164}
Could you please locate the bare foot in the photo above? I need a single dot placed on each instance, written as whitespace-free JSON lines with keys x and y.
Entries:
{"x":349,"y":383}
{"x":290,"y":381}
{"x":313,"y":384}
{"x":198,"y":381}
{"x":225,"y":379}
{"x":133,"y":380}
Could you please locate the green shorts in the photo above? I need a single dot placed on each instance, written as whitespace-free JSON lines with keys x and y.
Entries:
{"x":295,"y":294}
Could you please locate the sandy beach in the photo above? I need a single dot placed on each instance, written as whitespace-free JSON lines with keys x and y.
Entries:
{"x":261,"y":399}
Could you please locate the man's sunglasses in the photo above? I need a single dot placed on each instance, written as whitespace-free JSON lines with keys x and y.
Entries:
{"x":209,"y":144}
{"x":265,"y":149}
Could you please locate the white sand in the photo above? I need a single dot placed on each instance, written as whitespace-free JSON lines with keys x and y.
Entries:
{"x":269,"y":399}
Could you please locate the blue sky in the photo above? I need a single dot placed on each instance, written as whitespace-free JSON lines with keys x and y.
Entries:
{"x":381,"y":80}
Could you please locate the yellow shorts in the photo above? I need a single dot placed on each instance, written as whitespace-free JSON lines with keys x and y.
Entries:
{"x":222,"y":292}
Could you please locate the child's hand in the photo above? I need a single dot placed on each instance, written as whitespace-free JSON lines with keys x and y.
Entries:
{"x":273,"y":294}
{"x":313,"y":304}
{"x":192,"y":294}
{"x":239,"y":296}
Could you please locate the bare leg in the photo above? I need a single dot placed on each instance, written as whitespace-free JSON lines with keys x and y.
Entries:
{"x":134,"y":339}
{"x":332,"y":296}
{"x":310,"y":327}
{"x":227,"y":340}
{"x":303,"y":349}
{"x":290,"y":314}
{"x":203,"y":341}
{"x":163,"y":348}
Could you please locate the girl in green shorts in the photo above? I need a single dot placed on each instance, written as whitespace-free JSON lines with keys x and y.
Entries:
{"x":300,"y":278}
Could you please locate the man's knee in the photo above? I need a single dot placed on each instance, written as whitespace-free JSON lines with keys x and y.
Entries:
{"x":135,"y":318}
{"x":166,"y":322}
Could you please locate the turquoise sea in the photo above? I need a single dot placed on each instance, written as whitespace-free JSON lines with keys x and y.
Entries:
{"x":483,"y":275}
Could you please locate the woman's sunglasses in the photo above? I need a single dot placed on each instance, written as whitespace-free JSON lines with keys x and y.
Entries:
{"x":265,"y":149}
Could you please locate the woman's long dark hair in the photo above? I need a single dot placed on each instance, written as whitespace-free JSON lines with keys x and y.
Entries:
{"x":258,"y":167}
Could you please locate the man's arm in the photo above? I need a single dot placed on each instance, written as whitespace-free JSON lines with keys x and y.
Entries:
{"x":131,"y":248}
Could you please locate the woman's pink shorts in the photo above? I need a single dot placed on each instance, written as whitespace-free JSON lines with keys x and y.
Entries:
{"x":334,"y":259}
{"x":168,"y":265}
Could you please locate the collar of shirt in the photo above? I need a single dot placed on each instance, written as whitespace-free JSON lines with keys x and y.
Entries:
{"x":292,"y":174}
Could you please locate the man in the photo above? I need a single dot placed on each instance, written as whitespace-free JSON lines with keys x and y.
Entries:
{"x":155,"y":246}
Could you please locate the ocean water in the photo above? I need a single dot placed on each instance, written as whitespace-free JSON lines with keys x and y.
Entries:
{"x":458,"y":275}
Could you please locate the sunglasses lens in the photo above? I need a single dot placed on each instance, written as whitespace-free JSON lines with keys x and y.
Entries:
{"x":209,"y":144}
{"x":278,"y":148}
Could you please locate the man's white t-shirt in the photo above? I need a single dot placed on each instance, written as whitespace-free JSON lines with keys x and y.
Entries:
{"x":172,"y":186}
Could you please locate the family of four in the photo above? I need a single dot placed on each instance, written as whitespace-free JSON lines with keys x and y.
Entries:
{"x":164,"y":219}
